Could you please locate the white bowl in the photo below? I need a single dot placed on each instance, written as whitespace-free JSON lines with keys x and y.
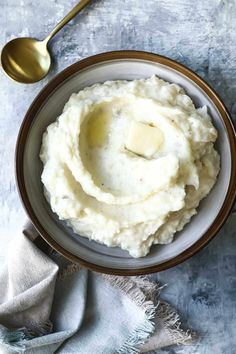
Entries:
{"x":48,"y":105}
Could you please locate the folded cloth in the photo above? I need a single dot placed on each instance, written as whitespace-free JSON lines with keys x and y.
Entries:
{"x":48,"y":305}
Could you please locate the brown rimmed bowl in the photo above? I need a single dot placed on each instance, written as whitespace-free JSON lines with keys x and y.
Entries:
{"x":48,"y":105}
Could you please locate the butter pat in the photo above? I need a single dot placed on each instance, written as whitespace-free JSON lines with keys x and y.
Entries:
{"x":143,"y":139}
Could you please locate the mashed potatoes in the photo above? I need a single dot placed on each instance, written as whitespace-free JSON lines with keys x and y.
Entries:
{"x":127,"y":163}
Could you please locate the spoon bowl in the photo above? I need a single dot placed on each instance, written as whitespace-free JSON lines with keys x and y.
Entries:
{"x":26,"y":60}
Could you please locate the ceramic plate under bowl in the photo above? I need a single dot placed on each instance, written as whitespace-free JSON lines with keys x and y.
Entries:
{"x":48,"y":105}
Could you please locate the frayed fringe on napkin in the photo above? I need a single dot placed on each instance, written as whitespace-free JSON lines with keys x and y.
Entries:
{"x":17,"y":336}
{"x":144,"y":293}
{"x":172,"y":324}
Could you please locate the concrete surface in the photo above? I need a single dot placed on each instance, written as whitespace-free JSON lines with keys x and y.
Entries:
{"x":200,"y":34}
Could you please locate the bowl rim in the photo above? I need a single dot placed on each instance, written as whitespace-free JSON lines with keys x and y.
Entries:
{"x":106,"y":57}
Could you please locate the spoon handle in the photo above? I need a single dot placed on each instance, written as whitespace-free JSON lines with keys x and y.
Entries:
{"x":67,"y":18}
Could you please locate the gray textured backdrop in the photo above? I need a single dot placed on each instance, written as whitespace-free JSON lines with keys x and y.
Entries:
{"x":200,"y":34}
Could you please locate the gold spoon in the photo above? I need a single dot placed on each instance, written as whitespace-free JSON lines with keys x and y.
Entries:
{"x":28,"y":60}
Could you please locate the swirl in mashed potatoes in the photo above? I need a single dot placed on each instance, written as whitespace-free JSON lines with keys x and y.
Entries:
{"x":127,"y":162}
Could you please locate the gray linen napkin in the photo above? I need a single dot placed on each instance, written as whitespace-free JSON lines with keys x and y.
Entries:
{"x":49,"y":305}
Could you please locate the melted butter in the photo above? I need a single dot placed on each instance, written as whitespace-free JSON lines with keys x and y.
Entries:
{"x":99,"y":125}
{"x":145,"y":140}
